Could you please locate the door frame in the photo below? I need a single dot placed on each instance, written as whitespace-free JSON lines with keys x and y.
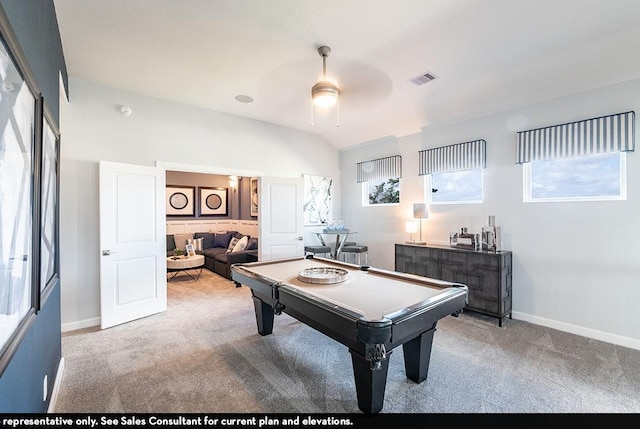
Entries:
{"x":207,"y":169}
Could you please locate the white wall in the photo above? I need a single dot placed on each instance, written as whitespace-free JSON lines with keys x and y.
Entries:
{"x":92,"y":129}
{"x":576,"y":266}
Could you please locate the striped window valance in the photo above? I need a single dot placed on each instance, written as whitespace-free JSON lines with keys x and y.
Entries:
{"x":613,"y":133}
{"x":456,"y":157}
{"x":382,"y":168}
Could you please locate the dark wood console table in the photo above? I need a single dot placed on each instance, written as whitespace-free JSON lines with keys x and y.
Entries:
{"x":486,"y":274}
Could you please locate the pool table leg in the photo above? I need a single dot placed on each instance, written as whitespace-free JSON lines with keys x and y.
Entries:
{"x":264,"y":316}
{"x":370,"y":384}
{"x":417,"y":354}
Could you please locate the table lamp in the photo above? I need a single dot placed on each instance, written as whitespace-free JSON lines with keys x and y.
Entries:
{"x":411,"y":227}
{"x":420,"y":212}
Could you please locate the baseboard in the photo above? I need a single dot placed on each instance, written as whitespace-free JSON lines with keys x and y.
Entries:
{"x":56,"y":387}
{"x":579,"y":330}
{"x":80,"y":324}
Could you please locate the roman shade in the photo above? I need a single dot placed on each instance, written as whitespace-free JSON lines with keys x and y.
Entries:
{"x":381,"y":168}
{"x":457,"y":157}
{"x":605,"y":134}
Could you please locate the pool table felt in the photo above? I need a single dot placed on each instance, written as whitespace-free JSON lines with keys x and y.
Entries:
{"x":371,"y":295}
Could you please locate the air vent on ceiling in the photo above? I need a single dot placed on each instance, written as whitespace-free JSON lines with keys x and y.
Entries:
{"x":423,"y":78}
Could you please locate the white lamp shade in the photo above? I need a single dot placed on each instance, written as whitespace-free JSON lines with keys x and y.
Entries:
{"x":420,"y":211}
{"x":411,"y":227}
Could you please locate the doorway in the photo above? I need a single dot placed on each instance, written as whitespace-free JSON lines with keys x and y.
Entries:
{"x":280,"y":211}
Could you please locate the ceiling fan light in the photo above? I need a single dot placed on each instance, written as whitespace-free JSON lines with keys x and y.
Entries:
{"x":324,"y":100}
{"x":324,"y":94}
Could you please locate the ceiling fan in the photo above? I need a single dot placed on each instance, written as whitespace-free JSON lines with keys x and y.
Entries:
{"x":325,"y":94}
{"x":357,"y":85}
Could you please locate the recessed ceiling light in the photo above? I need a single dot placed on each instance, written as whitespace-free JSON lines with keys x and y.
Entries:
{"x":244,"y":98}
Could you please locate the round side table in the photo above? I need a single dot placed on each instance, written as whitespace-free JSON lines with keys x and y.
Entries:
{"x":175,"y":264}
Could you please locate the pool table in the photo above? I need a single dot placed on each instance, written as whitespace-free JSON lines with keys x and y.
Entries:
{"x":371,"y":311}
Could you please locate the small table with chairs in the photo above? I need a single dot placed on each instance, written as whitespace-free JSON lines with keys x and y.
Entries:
{"x":342,"y":247}
{"x":341,"y":236}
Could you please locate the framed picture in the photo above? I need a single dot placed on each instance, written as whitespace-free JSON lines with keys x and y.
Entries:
{"x":254,"y":196}
{"x":49,"y":212}
{"x":21,"y":109}
{"x":180,"y":200}
{"x":213,"y":201}
{"x":191,"y":251}
{"x":318,"y":197}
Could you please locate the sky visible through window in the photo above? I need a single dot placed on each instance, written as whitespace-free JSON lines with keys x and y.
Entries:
{"x":586,"y":176}
{"x":458,"y":186}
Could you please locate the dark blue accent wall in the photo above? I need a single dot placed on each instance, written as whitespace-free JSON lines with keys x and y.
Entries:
{"x":21,"y":384}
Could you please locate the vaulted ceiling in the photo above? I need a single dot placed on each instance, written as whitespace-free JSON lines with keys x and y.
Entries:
{"x":487,"y":55}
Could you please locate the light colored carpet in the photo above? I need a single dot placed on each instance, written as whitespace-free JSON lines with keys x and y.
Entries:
{"x":204,"y":355}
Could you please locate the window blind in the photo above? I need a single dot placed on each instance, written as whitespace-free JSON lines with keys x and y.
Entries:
{"x":456,"y":157}
{"x":381,"y":168}
{"x":612,"y":133}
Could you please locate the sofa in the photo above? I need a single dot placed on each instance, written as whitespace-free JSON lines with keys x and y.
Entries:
{"x":220,"y":249}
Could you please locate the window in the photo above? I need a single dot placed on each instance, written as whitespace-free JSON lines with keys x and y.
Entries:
{"x":380,"y":180}
{"x":453,"y":174}
{"x":578,"y":161}
{"x":455,"y":187}
{"x":585,"y":178}
{"x":381,"y":192}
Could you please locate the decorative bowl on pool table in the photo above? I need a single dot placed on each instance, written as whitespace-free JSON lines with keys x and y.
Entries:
{"x":323,"y":275}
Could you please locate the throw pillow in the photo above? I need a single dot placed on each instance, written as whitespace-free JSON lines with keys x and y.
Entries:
{"x":181,"y":240}
{"x":241,"y":244}
{"x":232,"y":244}
{"x":197,"y":243}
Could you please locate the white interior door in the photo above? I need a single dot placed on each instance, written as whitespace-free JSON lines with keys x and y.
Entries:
{"x":133,"y":281}
{"x":280,"y":208}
